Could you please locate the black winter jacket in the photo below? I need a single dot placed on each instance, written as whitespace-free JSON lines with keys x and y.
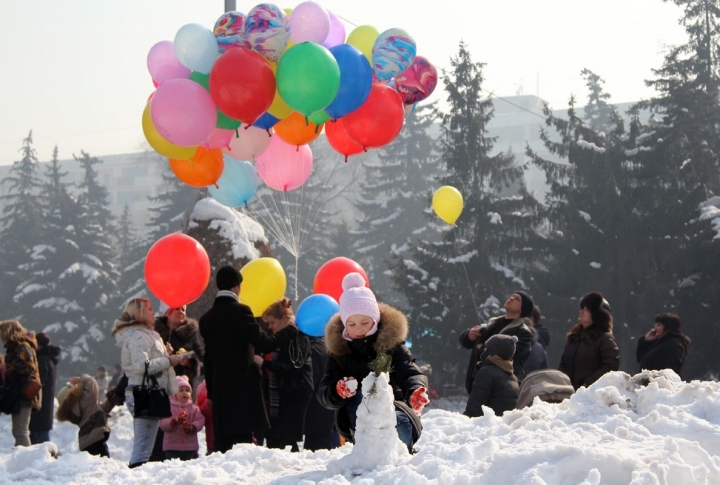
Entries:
{"x":495,"y":387}
{"x":589,"y":357}
{"x":667,"y":352}
{"x":48,"y":357}
{"x":185,"y":336}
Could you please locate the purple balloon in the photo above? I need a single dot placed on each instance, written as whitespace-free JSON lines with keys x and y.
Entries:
{"x":183,"y":112}
{"x":336,"y":36}
{"x":163,"y":64}
{"x":309,"y":22}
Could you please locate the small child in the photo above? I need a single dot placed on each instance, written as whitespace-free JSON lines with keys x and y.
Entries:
{"x":495,"y":384}
{"x":181,"y":430}
{"x":79,"y":405}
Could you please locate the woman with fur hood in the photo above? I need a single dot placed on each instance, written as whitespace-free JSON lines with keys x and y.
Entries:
{"x":139,"y":343}
{"x":79,"y":405}
{"x":354,"y":337}
{"x":181,"y":332}
{"x":590,"y":348}
{"x":21,"y":372}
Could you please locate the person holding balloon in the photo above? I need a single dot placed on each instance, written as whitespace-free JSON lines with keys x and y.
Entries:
{"x":233,"y":380}
{"x":289,"y":379}
{"x":354,"y":337}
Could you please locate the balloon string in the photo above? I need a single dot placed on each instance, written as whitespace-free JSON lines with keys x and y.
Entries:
{"x":297,"y":263}
{"x":467,"y":278}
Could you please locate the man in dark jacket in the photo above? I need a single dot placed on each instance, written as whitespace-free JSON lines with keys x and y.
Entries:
{"x":495,"y":385}
{"x":41,"y":422}
{"x":518,"y":308}
{"x":320,"y":433}
{"x":231,"y":337}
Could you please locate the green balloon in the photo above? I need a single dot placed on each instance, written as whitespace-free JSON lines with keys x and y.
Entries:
{"x":319,"y":117}
{"x":308,"y":77}
{"x":224,"y":122}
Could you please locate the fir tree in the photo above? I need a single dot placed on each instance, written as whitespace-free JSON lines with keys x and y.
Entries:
{"x":170,"y":208}
{"x":129,"y":260}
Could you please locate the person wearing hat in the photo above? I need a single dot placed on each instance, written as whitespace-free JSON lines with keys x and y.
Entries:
{"x":495,"y":384}
{"x":232,"y":337}
{"x":183,"y":335}
{"x":48,"y":356}
{"x":180,"y":437}
{"x":590,"y":348}
{"x":516,"y":321}
{"x":354,"y":337}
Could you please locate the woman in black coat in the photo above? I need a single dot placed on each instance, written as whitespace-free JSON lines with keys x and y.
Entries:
{"x":41,"y":422}
{"x":290,"y":380}
{"x":664,"y":346}
{"x":590,"y":348}
{"x":182,"y":333}
{"x":320,"y":433}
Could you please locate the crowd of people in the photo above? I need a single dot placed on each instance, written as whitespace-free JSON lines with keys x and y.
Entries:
{"x":510,"y":350}
{"x":260,"y":380}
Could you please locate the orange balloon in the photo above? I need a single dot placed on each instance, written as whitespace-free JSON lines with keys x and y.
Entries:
{"x":297,"y":130}
{"x":205,"y":167}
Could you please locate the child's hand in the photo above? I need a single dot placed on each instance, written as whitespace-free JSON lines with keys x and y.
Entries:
{"x":418,"y":399}
{"x":182,"y":417}
{"x":346,"y":387}
{"x":174,"y":421}
{"x":189,"y":428}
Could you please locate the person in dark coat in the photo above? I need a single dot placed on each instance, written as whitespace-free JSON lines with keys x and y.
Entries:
{"x":354,"y":337}
{"x":495,"y":384}
{"x":543,"y":334}
{"x":664,"y":346}
{"x":518,"y":308}
{"x":290,"y":380}
{"x":538,"y":358}
{"x":183,"y":334}
{"x":41,"y":422}
{"x":117,"y":373}
{"x":590,"y":348}
{"x":231,"y":338}
{"x":320,"y":432}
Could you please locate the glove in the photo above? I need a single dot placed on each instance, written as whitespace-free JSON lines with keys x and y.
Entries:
{"x":189,"y":428}
{"x":174,"y":421}
{"x":346,"y":387}
{"x":418,"y":399}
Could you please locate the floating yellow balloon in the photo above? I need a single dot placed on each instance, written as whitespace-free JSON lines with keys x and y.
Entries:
{"x":263,"y":282}
{"x":160,"y":144}
{"x":448,"y":203}
{"x":363,"y":38}
{"x":279,"y":108}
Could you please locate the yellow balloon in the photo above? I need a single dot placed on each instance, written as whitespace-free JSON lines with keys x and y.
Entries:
{"x":263,"y":282}
{"x":160,"y":144}
{"x":288,"y":11}
{"x":364,"y":38}
{"x":448,"y":203}
{"x":279,"y":108}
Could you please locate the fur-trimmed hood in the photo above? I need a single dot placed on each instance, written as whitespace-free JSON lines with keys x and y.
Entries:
{"x":187,"y":330}
{"x":72,"y":397}
{"x":392,"y":330}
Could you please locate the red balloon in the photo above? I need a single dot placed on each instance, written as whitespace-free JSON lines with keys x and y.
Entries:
{"x":379,"y":120}
{"x":242,"y":84}
{"x":328,"y":279}
{"x":177,"y":269}
{"x":339,"y":139}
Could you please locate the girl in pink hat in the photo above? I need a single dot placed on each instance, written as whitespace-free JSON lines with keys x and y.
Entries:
{"x":181,"y":430}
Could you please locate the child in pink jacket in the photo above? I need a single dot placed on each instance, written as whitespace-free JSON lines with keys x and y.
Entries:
{"x":181,"y":430}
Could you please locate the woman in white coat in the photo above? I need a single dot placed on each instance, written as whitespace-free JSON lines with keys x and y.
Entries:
{"x":139,"y":343}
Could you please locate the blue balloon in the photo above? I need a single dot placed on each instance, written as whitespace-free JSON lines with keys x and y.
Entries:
{"x":356,"y":77}
{"x":266,"y":121}
{"x":237,"y":184}
{"x":314,"y":313}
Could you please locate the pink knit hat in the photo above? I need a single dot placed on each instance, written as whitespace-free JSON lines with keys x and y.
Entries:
{"x":356,"y":299}
{"x":182,"y":381}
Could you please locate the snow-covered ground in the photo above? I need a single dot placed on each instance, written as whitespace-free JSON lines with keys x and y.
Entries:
{"x":615,"y":432}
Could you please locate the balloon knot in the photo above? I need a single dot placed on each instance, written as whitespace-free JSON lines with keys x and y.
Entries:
{"x":268,"y":132}
{"x":307,"y":121}
{"x":297,"y":148}
{"x":248,"y":126}
{"x":237,"y":133}
{"x":285,"y":187}
{"x":216,"y":186}
{"x":346,"y":158}
{"x":365,"y":149}
{"x":317,"y":129}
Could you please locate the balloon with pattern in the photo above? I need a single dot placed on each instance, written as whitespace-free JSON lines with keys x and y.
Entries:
{"x":267,"y":30}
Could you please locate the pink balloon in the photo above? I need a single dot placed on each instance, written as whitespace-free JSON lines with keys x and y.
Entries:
{"x":220,"y":138}
{"x":309,"y":22}
{"x":284,"y":167}
{"x":336,"y":36}
{"x":183,"y":112}
{"x":163,"y":64}
{"x":250,"y":144}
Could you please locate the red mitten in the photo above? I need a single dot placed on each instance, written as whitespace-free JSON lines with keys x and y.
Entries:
{"x":182,"y":417}
{"x":346,"y":387}
{"x":189,"y":428}
{"x":418,"y":399}
{"x":174,"y":421}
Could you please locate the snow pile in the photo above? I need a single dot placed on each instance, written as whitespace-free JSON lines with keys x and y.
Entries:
{"x":234,"y":226}
{"x":648,"y":429}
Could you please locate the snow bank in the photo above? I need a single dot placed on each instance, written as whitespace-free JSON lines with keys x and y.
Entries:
{"x":651,"y":428}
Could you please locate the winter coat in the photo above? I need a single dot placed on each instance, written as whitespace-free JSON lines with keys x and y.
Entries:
{"x":353,"y":358}
{"x":537,"y":360}
{"x":231,"y":338}
{"x":588,"y":355}
{"x":520,"y":327}
{"x":318,"y":419}
{"x":667,"y":352}
{"x":495,"y":386}
{"x":176,"y":439}
{"x":21,"y":366}
{"x":48,"y":357}
{"x":185,"y":336}
{"x":139,"y":344}
{"x":80,"y":407}
{"x":543,"y":334}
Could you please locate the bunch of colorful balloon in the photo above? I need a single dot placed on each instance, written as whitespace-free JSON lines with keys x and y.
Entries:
{"x":222,"y":93}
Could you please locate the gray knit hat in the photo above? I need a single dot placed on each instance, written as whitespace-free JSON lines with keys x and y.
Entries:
{"x":501,"y":345}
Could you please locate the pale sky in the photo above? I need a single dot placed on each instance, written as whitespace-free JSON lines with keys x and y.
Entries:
{"x":74,"y":71}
